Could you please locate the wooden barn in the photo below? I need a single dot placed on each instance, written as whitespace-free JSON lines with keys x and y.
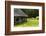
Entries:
{"x":19,"y":16}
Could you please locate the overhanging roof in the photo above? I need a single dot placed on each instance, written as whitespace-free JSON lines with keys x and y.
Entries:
{"x":19,"y":12}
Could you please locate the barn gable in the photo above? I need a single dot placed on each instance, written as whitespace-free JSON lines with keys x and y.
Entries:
{"x":19,"y":12}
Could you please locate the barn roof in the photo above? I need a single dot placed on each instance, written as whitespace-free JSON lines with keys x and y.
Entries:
{"x":19,"y":12}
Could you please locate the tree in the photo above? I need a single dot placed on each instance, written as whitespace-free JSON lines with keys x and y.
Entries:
{"x":31,"y":12}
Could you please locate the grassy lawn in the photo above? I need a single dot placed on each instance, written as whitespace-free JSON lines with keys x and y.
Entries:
{"x":30,"y":22}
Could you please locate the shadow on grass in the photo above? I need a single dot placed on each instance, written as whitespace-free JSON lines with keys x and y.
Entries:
{"x":16,"y":24}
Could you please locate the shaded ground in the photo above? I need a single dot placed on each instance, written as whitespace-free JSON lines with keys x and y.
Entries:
{"x":30,"y":22}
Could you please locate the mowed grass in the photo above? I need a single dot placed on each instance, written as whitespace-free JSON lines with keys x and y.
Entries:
{"x":30,"y":23}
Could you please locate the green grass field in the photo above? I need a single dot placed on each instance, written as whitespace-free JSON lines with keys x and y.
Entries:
{"x":30,"y":22}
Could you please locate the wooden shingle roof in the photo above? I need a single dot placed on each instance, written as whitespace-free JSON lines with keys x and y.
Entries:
{"x":19,"y":12}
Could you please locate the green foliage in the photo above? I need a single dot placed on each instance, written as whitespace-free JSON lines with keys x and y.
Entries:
{"x":31,"y":12}
{"x":37,"y":17}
